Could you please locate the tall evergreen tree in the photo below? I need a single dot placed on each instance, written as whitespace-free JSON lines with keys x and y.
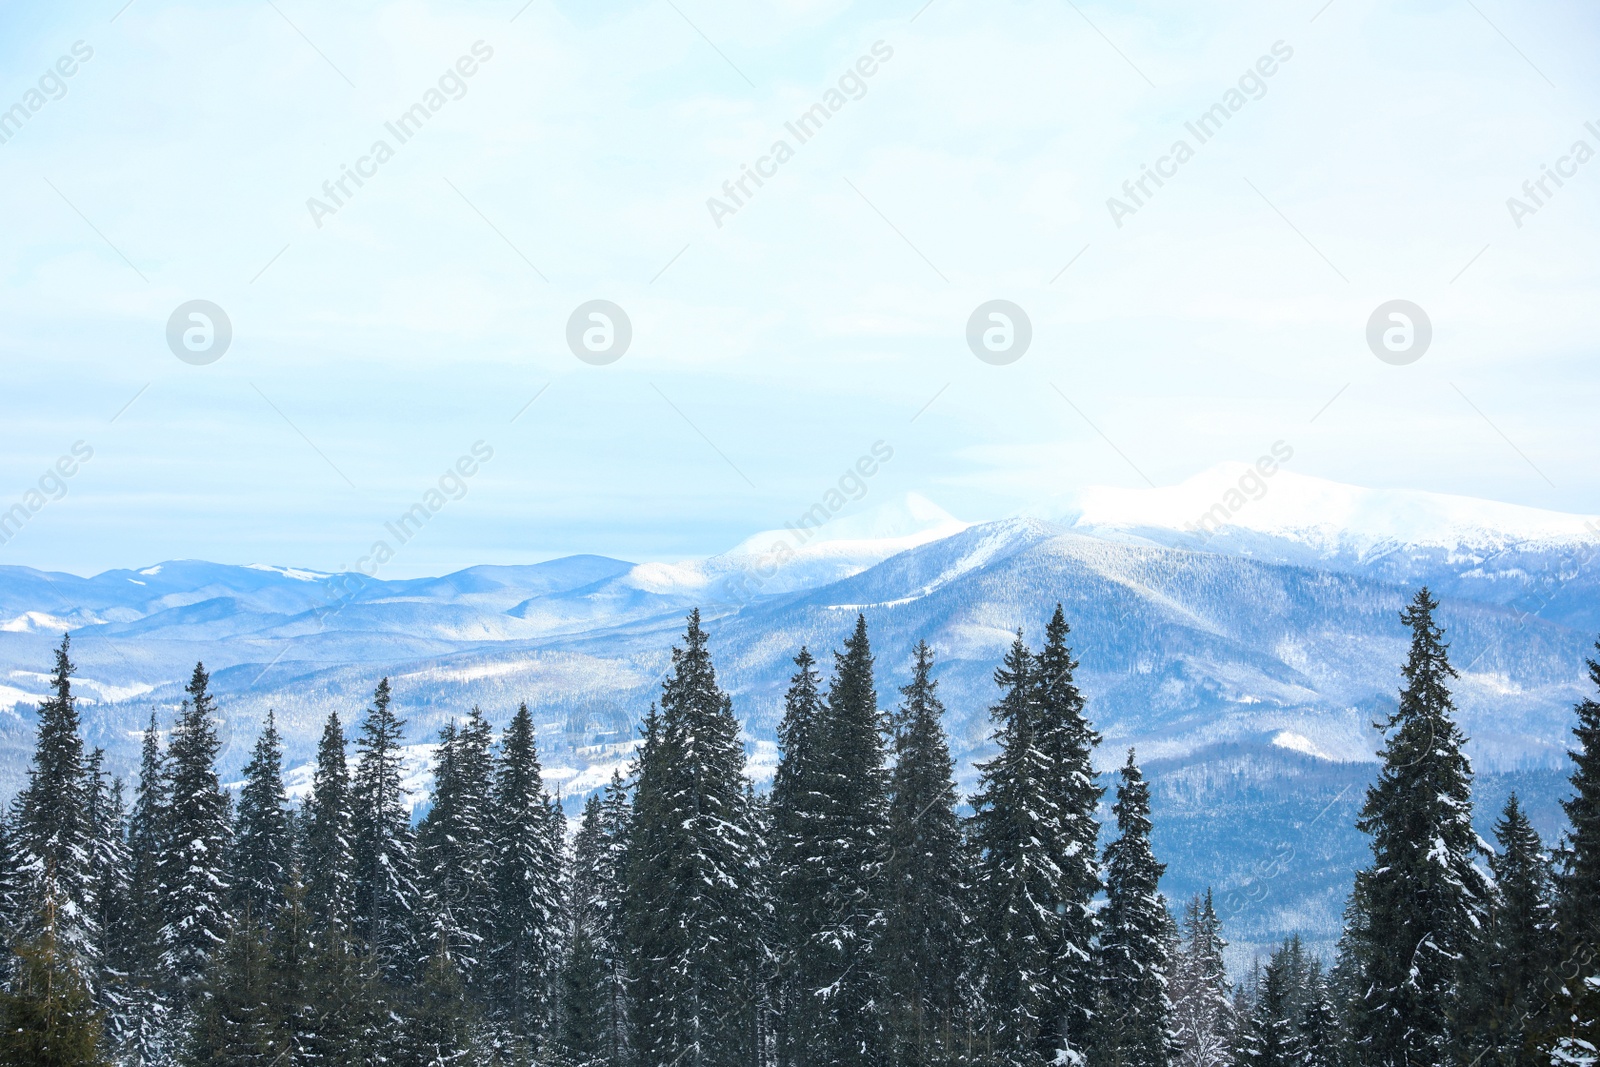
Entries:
{"x":47,"y":1016}
{"x":1509,"y":963}
{"x":54,"y":835}
{"x":1202,"y":1000}
{"x":1066,"y":744}
{"x":384,"y":846}
{"x":240,"y":1022}
{"x":1017,"y":886}
{"x":1269,"y":1033}
{"x":110,"y":870}
{"x":454,"y":848}
{"x":691,"y":881}
{"x":1578,"y":898}
{"x":140,"y":1030}
{"x":583,"y":1030}
{"x":525,"y":880}
{"x":194,"y":886}
{"x":797,"y":881}
{"x":263,"y":846}
{"x":1133,"y":1021}
{"x":329,"y":847}
{"x":1423,"y":897}
{"x":922,"y":939}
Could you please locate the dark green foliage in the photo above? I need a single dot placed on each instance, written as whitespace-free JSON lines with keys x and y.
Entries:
{"x":1509,"y":964}
{"x":691,"y":886}
{"x":1422,"y":900}
{"x":240,"y":1020}
{"x":384,"y":846}
{"x":921,"y":946}
{"x":1134,"y":1016}
{"x":263,"y":846}
{"x":1017,"y":886}
{"x":47,"y":1017}
{"x":524,"y":871}
{"x":54,"y":836}
{"x":329,"y":848}
{"x":1578,"y":902}
{"x":455,"y":851}
{"x":194,"y":879}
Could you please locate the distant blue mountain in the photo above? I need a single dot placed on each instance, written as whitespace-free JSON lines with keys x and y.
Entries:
{"x":1246,"y":665}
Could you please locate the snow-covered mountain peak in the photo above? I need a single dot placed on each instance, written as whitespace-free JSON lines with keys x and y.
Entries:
{"x":1326,"y":515}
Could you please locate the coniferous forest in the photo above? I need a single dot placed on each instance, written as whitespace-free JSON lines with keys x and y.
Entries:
{"x":859,"y":913}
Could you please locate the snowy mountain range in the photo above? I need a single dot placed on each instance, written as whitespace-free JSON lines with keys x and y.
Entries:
{"x":1240,"y":629}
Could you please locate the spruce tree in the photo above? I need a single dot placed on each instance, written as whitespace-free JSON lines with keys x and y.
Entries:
{"x":1509,"y":963}
{"x":1016,"y":922}
{"x":140,"y":1029}
{"x":524,"y":872}
{"x":691,"y":883}
{"x":194,"y":880}
{"x":1269,"y":1031}
{"x":263,"y":847}
{"x":1066,"y":744}
{"x":583,"y":1030}
{"x":454,"y":848}
{"x":110,"y":870}
{"x":54,"y":835}
{"x":240,"y":1020}
{"x":1133,"y":1020}
{"x":329,"y":848}
{"x":1423,"y":897}
{"x":438,"y":1028}
{"x":384,"y":847}
{"x":850,"y":852}
{"x":797,"y":882}
{"x":1578,"y":899}
{"x":47,"y":1016}
{"x":922,"y":943}
{"x":1202,"y":997}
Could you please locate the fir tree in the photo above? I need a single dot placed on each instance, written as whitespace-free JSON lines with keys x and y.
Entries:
{"x":1202,"y":1001}
{"x":194,"y":882}
{"x":1423,"y":897}
{"x":850,"y":852}
{"x":1578,"y":899}
{"x":329,"y":849}
{"x":1269,"y":1031}
{"x":47,"y":1016}
{"x":454,"y":849}
{"x":140,"y":1029}
{"x":525,"y":879}
{"x":922,"y":939}
{"x":54,"y":835}
{"x":691,"y":882}
{"x":1066,"y":744}
{"x":240,"y":1022}
{"x":583,"y":1034}
{"x":383,"y":849}
{"x":797,"y":881}
{"x":263,"y":845}
{"x":110,"y":869}
{"x":1509,"y":963}
{"x":438,"y":1028}
{"x":1016,"y":881}
{"x":1133,"y":1021}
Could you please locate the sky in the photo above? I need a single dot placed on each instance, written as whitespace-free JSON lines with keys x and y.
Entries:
{"x":381,"y":333}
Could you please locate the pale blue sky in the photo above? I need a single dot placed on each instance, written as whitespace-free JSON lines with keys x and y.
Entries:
{"x":825,"y":314}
